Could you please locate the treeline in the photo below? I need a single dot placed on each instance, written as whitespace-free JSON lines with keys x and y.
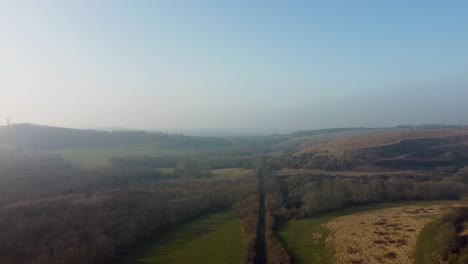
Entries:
{"x":276,"y":253}
{"x":306,"y":195}
{"x":33,"y":177}
{"x":247,"y":212}
{"x":40,"y":176}
{"x":69,"y":215}
{"x":452,"y":236}
{"x":272,"y":250}
{"x":96,"y":227}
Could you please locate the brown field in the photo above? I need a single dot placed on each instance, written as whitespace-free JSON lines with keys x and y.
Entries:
{"x":372,"y":139}
{"x":290,"y":172}
{"x":380,"y":236}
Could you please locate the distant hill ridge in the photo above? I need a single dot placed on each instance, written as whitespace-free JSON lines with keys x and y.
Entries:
{"x":47,"y":137}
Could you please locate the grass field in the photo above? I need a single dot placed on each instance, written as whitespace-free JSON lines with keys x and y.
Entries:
{"x":213,"y":238}
{"x":306,"y":239}
{"x":426,"y":249}
{"x":231,"y":173}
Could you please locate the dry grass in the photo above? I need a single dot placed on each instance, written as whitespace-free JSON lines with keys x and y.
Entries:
{"x":290,"y":172}
{"x":337,"y":145}
{"x":465,"y":229}
{"x":380,"y":236}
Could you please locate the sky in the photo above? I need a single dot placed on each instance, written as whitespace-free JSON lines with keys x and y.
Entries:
{"x":233,"y":65}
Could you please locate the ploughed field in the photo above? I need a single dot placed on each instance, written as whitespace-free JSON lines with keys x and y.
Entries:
{"x":382,"y":233}
{"x":212,"y":238}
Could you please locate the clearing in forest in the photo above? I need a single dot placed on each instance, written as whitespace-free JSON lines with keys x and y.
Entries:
{"x":380,"y":236}
{"x":365,"y":234}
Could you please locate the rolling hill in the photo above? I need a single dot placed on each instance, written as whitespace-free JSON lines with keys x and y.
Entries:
{"x":397,"y":149}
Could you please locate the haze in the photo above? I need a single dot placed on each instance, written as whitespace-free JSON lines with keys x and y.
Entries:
{"x":254,"y":65}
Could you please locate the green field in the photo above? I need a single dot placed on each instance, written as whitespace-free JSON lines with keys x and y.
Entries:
{"x":212,"y":238}
{"x":100,"y":157}
{"x":167,"y":170}
{"x":296,"y":235}
{"x":426,"y":249}
{"x":232,"y":173}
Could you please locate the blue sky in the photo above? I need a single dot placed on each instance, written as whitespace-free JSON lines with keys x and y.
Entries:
{"x":256,"y":65}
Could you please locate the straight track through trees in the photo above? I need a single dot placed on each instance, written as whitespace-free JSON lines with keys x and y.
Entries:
{"x":260,"y":243}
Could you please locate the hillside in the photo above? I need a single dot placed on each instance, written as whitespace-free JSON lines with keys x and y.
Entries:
{"x":397,"y":149}
{"x":37,"y":137}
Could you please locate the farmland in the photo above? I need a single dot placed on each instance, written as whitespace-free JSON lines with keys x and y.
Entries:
{"x":212,"y":238}
{"x":101,"y":157}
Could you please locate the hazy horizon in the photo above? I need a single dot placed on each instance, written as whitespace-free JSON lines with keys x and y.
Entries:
{"x":244,"y":65}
